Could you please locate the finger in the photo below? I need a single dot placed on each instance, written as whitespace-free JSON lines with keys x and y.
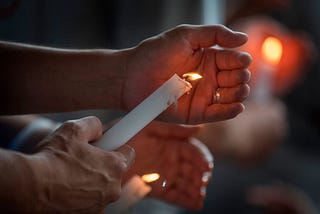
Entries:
{"x":202,"y":148}
{"x":194,"y":175}
{"x":201,"y":160}
{"x":219,"y":112}
{"x":230,"y":59}
{"x":232,"y":78}
{"x":209,"y":35}
{"x":173,"y":130}
{"x":128,"y":153}
{"x":86,"y":129}
{"x":235,"y":94}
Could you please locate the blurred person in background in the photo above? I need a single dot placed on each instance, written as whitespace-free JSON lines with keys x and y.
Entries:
{"x":282,"y":159}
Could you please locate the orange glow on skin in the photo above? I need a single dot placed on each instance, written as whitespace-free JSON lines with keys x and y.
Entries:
{"x":272,"y":50}
{"x":148,"y":178}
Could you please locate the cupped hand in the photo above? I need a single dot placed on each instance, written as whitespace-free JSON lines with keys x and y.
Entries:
{"x":183,"y":162}
{"x":185,"y":49}
{"x":281,"y":199}
{"x":73,"y":176}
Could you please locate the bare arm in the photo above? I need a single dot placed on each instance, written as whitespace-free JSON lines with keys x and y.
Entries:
{"x":16,"y":182}
{"x":37,"y":79}
{"x":66,"y":175}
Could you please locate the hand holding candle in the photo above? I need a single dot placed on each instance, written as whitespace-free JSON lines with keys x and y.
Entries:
{"x":184,"y":49}
{"x":133,"y":191}
{"x":145,"y":112}
{"x":183,"y":163}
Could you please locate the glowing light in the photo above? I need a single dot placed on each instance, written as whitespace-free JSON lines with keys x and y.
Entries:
{"x":150,"y":177}
{"x":191,"y":76}
{"x":272,"y":50}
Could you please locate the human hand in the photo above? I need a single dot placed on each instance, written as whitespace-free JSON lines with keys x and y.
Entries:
{"x":251,"y":137}
{"x":184,"y":49}
{"x":73,"y":176}
{"x":280,"y":199}
{"x":183,"y":162}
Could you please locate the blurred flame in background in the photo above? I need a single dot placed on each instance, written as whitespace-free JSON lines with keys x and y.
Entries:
{"x":272,"y":50}
{"x":291,"y":51}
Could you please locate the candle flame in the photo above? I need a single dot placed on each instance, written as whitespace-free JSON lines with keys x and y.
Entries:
{"x":148,"y":178}
{"x":272,"y":50}
{"x":191,"y":76}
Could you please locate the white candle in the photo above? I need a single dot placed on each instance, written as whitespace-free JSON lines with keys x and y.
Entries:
{"x":133,"y":191}
{"x":144,"y":113}
{"x":271,"y":51}
{"x":263,"y":84}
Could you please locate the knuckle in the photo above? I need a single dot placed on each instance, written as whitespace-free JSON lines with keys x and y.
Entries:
{"x":96,"y":120}
{"x":60,"y":142}
{"x":244,"y":76}
{"x":120,"y":166}
{"x":220,"y":27}
{"x":182,"y":28}
{"x":116,"y":162}
{"x":71,"y":128}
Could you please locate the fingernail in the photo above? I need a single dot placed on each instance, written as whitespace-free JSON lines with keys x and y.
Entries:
{"x":241,"y":33}
{"x":244,"y":58}
{"x":243,"y":107}
{"x":128,"y":153}
{"x":203,"y":191}
{"x":206,"y":177}
{"x":210,"y":164}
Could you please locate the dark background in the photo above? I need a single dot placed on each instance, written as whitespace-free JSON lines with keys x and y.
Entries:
{"x":123,"y":23}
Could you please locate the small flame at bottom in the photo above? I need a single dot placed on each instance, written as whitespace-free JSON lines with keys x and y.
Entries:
{"x":150,"y":177}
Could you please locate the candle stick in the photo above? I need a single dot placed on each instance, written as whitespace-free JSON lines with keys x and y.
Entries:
{"x":133,"y":191}
{"x":271,"y":52}
{"x":263,"y":83}
{"x":144,"y":113}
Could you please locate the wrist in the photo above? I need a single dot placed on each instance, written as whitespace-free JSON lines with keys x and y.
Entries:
{"x":112,"y":79}
{"x":99,"y":81}
{"x":18,"y":186}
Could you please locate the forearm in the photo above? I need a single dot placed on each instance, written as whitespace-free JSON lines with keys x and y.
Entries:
{"x":18,"y":191}
{"x":36,"y":79}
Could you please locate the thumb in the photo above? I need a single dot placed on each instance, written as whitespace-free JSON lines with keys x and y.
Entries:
{"x":208,"y":35}
{"x":128,"y":154}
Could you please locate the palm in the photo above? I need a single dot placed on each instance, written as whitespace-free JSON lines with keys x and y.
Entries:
{"x":167,"y":150}
{"x":172,"y":53}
